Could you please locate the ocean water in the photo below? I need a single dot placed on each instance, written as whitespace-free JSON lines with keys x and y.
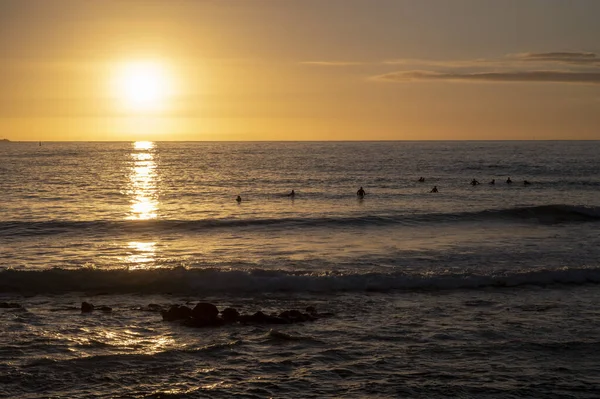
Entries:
{"x":486,"y":291}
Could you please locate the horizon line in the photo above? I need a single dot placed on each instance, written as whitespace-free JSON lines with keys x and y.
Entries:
{"x":286,"y":141}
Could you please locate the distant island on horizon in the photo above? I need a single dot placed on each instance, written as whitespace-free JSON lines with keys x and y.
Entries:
{"x":5,"y":140}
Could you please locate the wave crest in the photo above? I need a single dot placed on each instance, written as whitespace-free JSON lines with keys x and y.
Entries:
{"x":215,"y":281}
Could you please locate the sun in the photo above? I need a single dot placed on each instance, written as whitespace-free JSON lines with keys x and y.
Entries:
{"x":143,"y":86}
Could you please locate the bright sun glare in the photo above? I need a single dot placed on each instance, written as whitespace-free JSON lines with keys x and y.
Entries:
{"x":143,"y":85}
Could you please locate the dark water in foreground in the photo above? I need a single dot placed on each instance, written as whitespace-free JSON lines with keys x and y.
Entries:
{"x":475,"y":291}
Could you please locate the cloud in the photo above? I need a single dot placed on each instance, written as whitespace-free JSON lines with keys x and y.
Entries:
{"x":576,"y":67}
{"x":567,"y":55}
{"x":574,"y":58}
{"x":519,"y":76}
{"x":442,"y":63}
{"x":332,"y":63}
{"x":509,"y":60}
{"x":543,"y":67}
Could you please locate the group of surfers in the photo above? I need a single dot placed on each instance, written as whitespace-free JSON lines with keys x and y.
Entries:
{"x":361,"y":192}
{"x":474,"y":182}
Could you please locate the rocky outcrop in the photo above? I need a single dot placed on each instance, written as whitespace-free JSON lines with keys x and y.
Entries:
{"x":230,"y":315}
{"x":176,"y":312}
{"x":205,"y":311}
{"x":208,"y":315}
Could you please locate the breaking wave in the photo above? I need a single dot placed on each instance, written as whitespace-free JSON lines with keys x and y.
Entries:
{"x":215,"y":281}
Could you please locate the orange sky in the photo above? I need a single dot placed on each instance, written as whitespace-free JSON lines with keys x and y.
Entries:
{"x":302,"y":70}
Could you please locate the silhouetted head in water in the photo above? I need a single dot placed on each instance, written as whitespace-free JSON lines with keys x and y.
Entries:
{"x":292,"y":194}
{"x":493,"y":181}
{"x":508,"y":181}
{"x":474,"y":182}
{"x":238,"y":199}
{"x":434,"y":189}
{"x":361,"y":192}
{"x":421,"y":179}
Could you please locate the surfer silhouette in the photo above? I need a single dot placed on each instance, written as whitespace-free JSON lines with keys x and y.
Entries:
{"x":508,"y":181}
{"x":292,"y":194}
{"x":421,"y":179}
{"x":238,"y":199}
{"x":434,"y":189}
{"x":526,"y":183}
{"x":474,"y":182}
{"x":361,"y":192}
{"x":493,"y":182}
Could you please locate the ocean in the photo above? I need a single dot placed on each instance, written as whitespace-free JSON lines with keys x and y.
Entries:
{"x":476,"y":291}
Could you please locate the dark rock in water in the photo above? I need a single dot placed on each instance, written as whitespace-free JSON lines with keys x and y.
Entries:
{"x":9,"y":305}
{"x":86,"y":307}
{"x":285,"y":314}
{"x":230,"y":315}
{"x":312,"y":311}
{"x":203,"y":315}
{"x":104,"y":308}
{"x":207,"y":315}
{"x":295,"y":316}
{"x":259,"y":317}
{"x":176,"y":312}
{"x":205,"y":311}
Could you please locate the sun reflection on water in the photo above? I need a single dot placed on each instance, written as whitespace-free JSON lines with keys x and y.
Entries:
{"x":118,"y":339}
{"x":143,"y":145}
{"x":142,"y":254}
{"x":143,"y":191}
{"x":144,"y":203}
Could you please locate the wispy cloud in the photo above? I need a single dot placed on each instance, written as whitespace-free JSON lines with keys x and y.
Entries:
{"x":542,"y":67}
{"x":441,"y":63}
{"x":332,"y":63}
{"x":565,"y":55}
{"x":576,"y":58}
{"x":519,"y":76}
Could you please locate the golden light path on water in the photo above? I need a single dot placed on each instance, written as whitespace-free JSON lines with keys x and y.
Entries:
{"x":144,"y":201}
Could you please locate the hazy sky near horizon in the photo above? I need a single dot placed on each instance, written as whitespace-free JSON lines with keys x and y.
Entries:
{"x":303,"y":69}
